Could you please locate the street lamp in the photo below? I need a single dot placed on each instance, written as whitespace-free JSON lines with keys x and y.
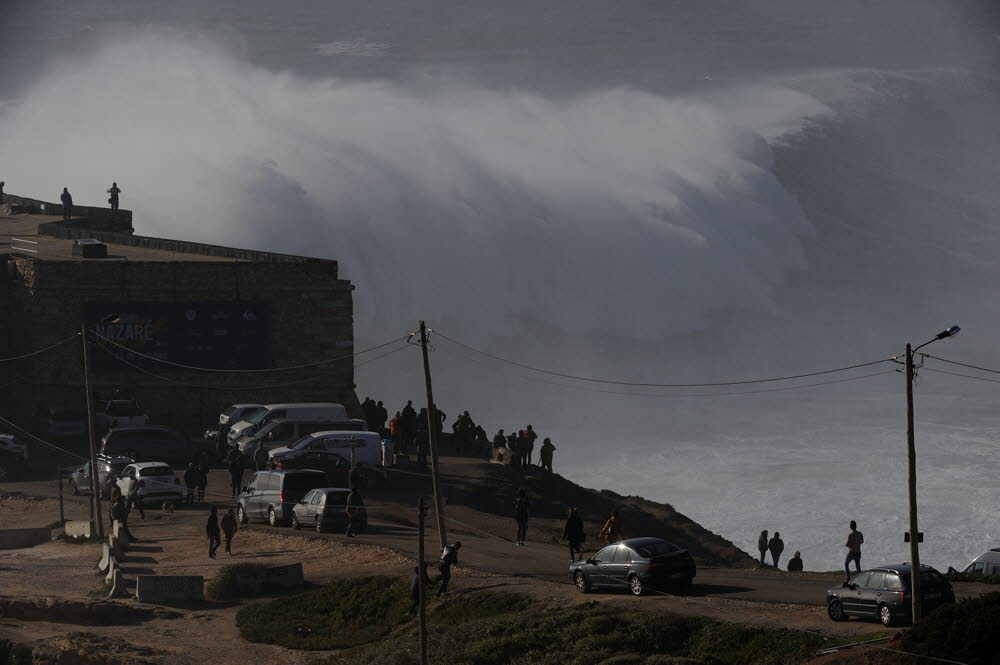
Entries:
{"x":95,"y":500}
{"x":912,"y":461}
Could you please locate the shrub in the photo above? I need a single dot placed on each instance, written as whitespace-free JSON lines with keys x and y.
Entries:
{"x":226,"y":584}
{"x":965,"y":631}
{"x":344,"y":614}
{"x":955,"y":576}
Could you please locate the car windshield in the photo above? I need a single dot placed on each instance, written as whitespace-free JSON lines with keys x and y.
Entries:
{"x":255,"y":417}
{"x":156,"y":471}
{"x":649,"y":550}
{"x":301,"y":442}
{"x":931,"y":577}
{"x":230,"y":411}
{"x":303,"y":482}
{"x":336,"y":498}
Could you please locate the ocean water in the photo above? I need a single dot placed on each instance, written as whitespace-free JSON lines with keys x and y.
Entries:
{"x":650,"y":192}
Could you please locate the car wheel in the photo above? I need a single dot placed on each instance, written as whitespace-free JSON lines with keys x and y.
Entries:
{"x":836,"y":611}
{"x":74,"y":489}
{"x":241,"y":515}
{"x":319,"y":524}
{"x":295,"y":521}
{"x":272,"y":517}
{"x":635,"y":585}
{"x":581,"y":582}
{"x":886,"y":616}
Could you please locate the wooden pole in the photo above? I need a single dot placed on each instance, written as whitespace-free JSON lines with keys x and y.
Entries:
{"x":432,"y":425}
{"x":911,"y":454}
{"x":421,"y":514}
{"x":95,"y":500}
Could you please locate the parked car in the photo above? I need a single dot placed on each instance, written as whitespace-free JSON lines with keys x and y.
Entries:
{"x":302,"y":411}
{"x":324,"y":507}
{"x":987,"y":563}
{"x":230,"y":417}
{"x":637,"y":564}
{"x":13,"y":455}
{"x":271,"y":495}
{"x":155,"y":443}
{"x":107,"y":469}
{"x":119,"y":413}
{"x":58,"y":423}
{"x":282,"y":433}
{"x":884,"y":593}
{"x":155,"y":482}
{"x":332,"y":452}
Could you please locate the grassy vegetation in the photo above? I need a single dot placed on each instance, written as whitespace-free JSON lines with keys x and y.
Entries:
{"x":226,"y":584}
{"x":965,"y":632}
{"x":344,"y":614}
{"x":494,"y":628}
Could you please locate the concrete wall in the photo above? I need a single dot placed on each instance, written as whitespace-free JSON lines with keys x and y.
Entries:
{"x":95,"y":217}
{"x":311,"y":312}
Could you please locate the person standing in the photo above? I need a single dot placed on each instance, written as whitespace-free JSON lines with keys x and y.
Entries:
{"x":776,"y":546}
{"x":573,"y":534}
{"x":853,"y":545}
{"x":229,"y":529}
{"x":260,"y":456}
{"x":113,"y":200}
{"x":190,"y":481}
{"x":545,"y":454}
{"x":67,"y":202}
{"x":381,"y":417}
{"x":795,"y":563}
{"x":236,"y":471}
{"x":449,"y":558}
{"x":762,"y":546}
{"x":202,"y":479}
{"x":212,"y":530}
{"x":408,"y":427}
{"x":119,"y":513}
{"x":529,"y":445}
{"x":395,"y":428}
{"x":611,"y":532}
{"x":354,"y":503}
{"x":2,"y":183}
{"x":134,"y":500}
{"x":521,"y":507}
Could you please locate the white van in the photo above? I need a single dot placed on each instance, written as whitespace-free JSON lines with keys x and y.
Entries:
{"x":304,"y":411}
{"x":366,"y":447}
{"x":987,"y":563}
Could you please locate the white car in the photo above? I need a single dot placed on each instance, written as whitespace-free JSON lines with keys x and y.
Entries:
{"x":119,"y":413}
{"x":155,"y":481}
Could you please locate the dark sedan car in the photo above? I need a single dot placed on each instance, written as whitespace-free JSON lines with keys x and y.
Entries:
{"x":637,"y":564}
{"x":884,"y":593}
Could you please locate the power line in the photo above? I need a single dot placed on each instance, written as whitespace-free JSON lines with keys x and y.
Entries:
{"x":955,"y":362}
{"x":658,"y":385}
{"x":964,"y":376}
{"x":249,"y":371}
{"x":39,"y":351}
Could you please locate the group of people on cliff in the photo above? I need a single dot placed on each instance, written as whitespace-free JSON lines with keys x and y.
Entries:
{"x":775,"y":546}
{"x":521,"y":446}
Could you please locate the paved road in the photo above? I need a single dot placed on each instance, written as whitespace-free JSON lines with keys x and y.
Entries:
{"x":487,"y":546}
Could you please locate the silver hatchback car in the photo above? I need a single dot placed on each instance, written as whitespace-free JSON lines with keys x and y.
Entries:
{"x":324,"y":507}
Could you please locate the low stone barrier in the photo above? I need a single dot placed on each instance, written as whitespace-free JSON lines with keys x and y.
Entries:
{"x":118,"y":589}
{"x":169,"y":588}
{"x":106,"y":558}
{"x":79,"y":528}
{"x":12,"y":539}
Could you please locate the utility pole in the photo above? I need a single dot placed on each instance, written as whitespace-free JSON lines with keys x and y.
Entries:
{"x":95,"y":501}
{"x":62,"y":514}
{"x":421,"y":514}
{"x":911,"y":454}
{"x":432,"y":425}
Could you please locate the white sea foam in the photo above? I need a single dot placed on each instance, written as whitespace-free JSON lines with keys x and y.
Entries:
{"x":361,"y":48}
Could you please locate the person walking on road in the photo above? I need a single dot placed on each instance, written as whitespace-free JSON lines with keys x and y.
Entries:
{"x":521,"y":506}
{"x":415,"y":586}
{"x":795,"y":563}
{"x":190,"y":480}
{"x":353,"y":510}
{"x":573,"y":534}
{"x":67,"y":202}
{"x":611,"y":532}
{"x":212,"y":530}
{"x":113,"y":199}
{"x":236,"y":471}
{"x":776,"y":546}
{"x":449,"y":558}
{"x":545,"y":454}
{"x":134,"y":500}
{"x":229,"y":529}
{"x":853,"y":545}
{"x":762,"y":546}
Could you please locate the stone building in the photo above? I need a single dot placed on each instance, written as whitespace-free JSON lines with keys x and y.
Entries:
{"x":155,"y":309}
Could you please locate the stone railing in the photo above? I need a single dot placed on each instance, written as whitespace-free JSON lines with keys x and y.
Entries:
{"x":84,"y":216}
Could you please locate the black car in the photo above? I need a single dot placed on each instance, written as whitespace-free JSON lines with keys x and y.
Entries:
{"x":271,"y":495}
{"x":637,"y":564}
{"x":884,"y":593}
{"x":155,"y":443}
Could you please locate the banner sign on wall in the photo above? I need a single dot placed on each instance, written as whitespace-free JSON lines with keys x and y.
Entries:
{"x":215,"y":335}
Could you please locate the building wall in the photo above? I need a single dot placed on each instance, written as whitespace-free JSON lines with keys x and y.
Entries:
{"x":311,"y":319}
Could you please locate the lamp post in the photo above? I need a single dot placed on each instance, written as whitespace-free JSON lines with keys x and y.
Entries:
{"x":912,"y":465}
{"x":95,"y":498}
